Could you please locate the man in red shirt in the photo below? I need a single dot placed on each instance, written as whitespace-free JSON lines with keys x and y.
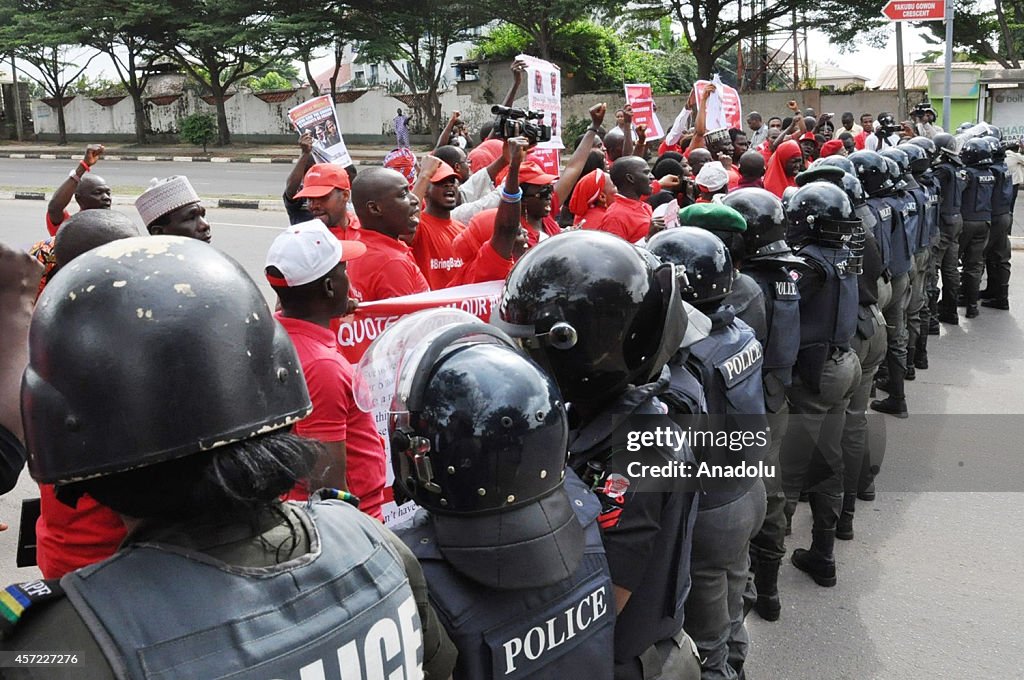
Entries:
{"x":629,"y":217}
{"x":89,"y":191}
{"x":389,"y":214}
{"x":326,"y":189}
{"x":432,"y":244}
{"x":306,"y":266}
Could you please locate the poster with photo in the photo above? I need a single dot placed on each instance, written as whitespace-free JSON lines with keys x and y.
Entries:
{"x":544,"y":93}
{"x":319,"y":118}
{"x":724,"y":107}
{"x":641,"y":99}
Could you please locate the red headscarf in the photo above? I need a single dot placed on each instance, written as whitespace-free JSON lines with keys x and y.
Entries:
{"x":588,"y":190}
{"x":404,"y":161}
{"x":775,"y":178}
{"x":831,"y":147}
{"x":483,"y":155}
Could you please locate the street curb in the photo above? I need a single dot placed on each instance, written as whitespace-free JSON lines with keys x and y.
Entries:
{"x":264,"y":204}
{"x":239,"y":203}
{"x":172,"y":159}
{"x":29,"y":196}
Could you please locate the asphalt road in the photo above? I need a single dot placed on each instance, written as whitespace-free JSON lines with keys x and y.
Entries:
{"x":933,"y":584}
{"x":131,"y":177}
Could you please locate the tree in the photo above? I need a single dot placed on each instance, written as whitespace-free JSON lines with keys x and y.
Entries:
{"x":419,"y":34}
{"x":219,"y":43}
{"x":35,"y":32}
{"x":543,"y":19}
{"x":995,"y":34}
{"x":308,"y":28}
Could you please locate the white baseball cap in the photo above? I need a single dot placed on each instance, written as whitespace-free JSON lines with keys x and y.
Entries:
{"x":307,"y":251}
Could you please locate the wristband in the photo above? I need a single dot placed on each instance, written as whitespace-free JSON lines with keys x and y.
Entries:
{"x":593,"y":129}
{"x":85,"y":166}
{"x":511,"y":198}
{"x":74,"y":175}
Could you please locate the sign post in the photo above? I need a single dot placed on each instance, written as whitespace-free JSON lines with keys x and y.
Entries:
{"x":918,"y":10}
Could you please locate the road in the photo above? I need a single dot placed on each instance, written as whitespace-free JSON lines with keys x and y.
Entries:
{"x":932,"y":585}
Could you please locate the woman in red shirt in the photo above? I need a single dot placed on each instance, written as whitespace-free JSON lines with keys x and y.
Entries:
{"x":783,"y":167}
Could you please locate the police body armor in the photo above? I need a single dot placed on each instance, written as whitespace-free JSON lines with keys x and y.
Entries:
{"x":1002,"y":193}
{"x":884,"y":218}
{"x":952,"y":182}
{"x":257,"y":623}
{"x":828,"y":316}
{"x":920,"y":238}
{"x":729,"y":363}
{"x":782,"y":309}
{"x":930,"y":233}
{"x":977,"y":203}
{"x":904,"y":231}
{"x":561,"y":631}
{"x":685,"y":394}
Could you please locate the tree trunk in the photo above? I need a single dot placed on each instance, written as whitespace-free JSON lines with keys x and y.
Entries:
{"x":62,"y":131}
{"x":309,"y":77}
{"x":140,"y":116}
{"x":223,"y":133}
{"x":705,"y":63}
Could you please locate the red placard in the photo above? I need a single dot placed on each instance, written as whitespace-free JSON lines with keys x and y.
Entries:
{"x":641,"y":101}
{"x":915,"y":10}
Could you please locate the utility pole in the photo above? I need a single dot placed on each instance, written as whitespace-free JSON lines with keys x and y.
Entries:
{"x":901,"y":83}
{"x":19,"y":124}
{"x":948,"y":75}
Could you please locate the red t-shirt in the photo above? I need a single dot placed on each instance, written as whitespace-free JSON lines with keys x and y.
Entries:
{"x":627,"y":218}
{"x":51,"y":227}
{"x":349,"y":233}
{"x":71,"y":538}
{"x":467,"y":245}
{"x":858,"y":140}
{"x":592,"y":218}
{"x":386,"y":270}
{"x":432,"y":249}
{"x":734,"y":177}
{"x":487,"y":266}
{"x":335,"y":416}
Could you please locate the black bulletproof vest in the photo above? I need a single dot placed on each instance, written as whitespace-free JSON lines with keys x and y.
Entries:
{"x":977,"y":203}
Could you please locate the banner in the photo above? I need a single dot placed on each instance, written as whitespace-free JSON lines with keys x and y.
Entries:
{"x":547,"y":159}
{"x":544,"y":94}
{"x":318,"y":117}
{"x":356,"y":332}
{"x":724,"y":108}
{"x":641,"y":100}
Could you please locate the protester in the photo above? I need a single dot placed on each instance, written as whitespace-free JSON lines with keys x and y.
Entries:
{"x":401,"y":125}
{"x":847,"y":125}
{"x":629,"y":217}
{"x":171,"y":207}
{"x":296,"y":207}
{"x":711,"y":181}
{"x":758,"y":130}
{"x":783,"y":167}
{"x":326,"y":188}
{"x":752,"y":169}
{"x":89,"y":191}
{"x":591,"y":197}
{"x":432,"y":244}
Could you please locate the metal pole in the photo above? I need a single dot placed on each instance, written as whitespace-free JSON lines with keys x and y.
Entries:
{"x":19,"y":124}
{"x":901,"y":84}
{"x":796,"y":55}
{"x":948,"y":75}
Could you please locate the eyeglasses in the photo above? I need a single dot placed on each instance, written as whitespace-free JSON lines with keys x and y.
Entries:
{"x":545,"y":193}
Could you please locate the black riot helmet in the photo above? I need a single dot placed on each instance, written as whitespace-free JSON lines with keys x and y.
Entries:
{"x":946,"y":148}
{"x":821,"y":213}
{"x":591,"y":311}
{"x":998,"y":152}
{"x":976,"y":153}
{"x":927,"y":145}
{"x":894,"y":174}
{"x":766,"y":224}
{"x":173,"y":352}
{"x":854,"y":189}
{"x":702,"y":264}
{"x":478,"y":437}
{"x":904,"y":179}
{"x":920,"y":161}
{"x":994,"y":131}
{"x":842,"y":162}
{"x":872,"y":171}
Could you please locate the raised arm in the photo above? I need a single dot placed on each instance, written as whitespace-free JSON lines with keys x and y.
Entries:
{"x":305,"y":162}
{"x":506,"y":221}
{"x":700,"y":125}
{"x":574,"y":166}
{"x":66,"y":191}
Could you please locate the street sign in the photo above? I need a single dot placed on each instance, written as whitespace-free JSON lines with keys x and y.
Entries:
{"x":915,"y":10}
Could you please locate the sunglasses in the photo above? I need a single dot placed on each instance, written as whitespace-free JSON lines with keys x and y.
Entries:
{"x":545,"y":193}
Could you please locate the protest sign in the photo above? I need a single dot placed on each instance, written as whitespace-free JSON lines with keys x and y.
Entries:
{"x":724,"y":108}
{"x":319,"y":118}
{"x":641,"y":101}
{"x":544,"y":94}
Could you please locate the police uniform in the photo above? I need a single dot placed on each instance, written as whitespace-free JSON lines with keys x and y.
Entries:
{"x":997,"y":251}
{"x":729,"y":363}
{"x":556,"y":631}
{"x":952,"y":181}
{"x":927,"y":227}
{"x":905,"y":221}
{"x":747,"y":300}
{"x":977,"y":213}
{"x":647,"y":538}
{"x":250,"y":597}
{"x":929,"y":311}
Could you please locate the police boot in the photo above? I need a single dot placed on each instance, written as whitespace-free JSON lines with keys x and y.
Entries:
{"x":947,"y":312}
{"x":881,"y":378}
{"x":895,"y":404}
{"x":921,"y":355}
{"x":998,"y":300}
{"x":844,"y":528}
{"x":911,"y":372}
{"x":933,"y":324}
{"x":766,"y":580}
{"x":818,"y":562}
{"x":789,"y":509}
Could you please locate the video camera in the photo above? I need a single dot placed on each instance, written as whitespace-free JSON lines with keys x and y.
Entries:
{"x":510,"y":122}
{"x":921,"y":110}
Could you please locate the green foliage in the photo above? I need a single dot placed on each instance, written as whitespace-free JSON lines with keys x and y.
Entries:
{"x":198,"y":129}
{"x":596,"y":55}
{"x":97,"y":87}
{"x":268,"y":82}
{"x":573,"y":128}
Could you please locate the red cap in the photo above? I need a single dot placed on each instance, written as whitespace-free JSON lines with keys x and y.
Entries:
{"x":831,"y":147}
{"x":322,"y":179}
{"x":442,"y":173}
{"x":809,"y":137}
{"x":530,"y":172}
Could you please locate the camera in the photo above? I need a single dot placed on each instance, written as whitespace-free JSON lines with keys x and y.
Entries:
{"x":887,"y":124}
{"x":921,"y":110}
{"x":511,"y":122}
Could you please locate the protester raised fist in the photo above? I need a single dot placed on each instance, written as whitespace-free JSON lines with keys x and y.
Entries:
{"x":454,"y":117}
{"x":515,"y":150}
{"x":92,"y":154}
{"x":627,"y":116}
{"x":641,"y":138}
{"x":792,"y":105}
{"x":306,"y":142}
{"x":669,"y":182}
{"x":429,"y":165}
{"x":597,"y":112}
{"x":707,"y":92}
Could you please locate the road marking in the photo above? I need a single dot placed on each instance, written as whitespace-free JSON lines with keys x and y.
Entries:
{"x":252,"y":226}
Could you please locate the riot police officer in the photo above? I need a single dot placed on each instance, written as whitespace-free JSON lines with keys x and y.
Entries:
{"x":920,"y":151}
{"x":952,"y":178}
{"x":822,"y":224}
{"x":905,"y":221}
{"x":997,"y":251}
{"x":769,"y":261}
{"x":601,"y":321}
{"x":978,"y":202}
{"x":216,"y":575}
{"x":507,"y":537}
{"x":728,"y":364}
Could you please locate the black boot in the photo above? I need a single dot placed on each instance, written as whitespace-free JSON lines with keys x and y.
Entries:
{"x":933,"y":324}
{"x":999,"y":300}
{"x":844,"y":528}
{"x":881,"y":378}
{"x":895,"y":404}
{"x":948,"y":313}
{"x":911,"y":372}
{"x":819,"y":561}
{"x":921,"y":355}
{"x":766,"y":580}
{"x":867,"y":493}
{"x":970,"y":291}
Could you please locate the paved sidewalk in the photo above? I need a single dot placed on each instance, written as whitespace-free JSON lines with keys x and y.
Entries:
{"x":240,"y":153}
